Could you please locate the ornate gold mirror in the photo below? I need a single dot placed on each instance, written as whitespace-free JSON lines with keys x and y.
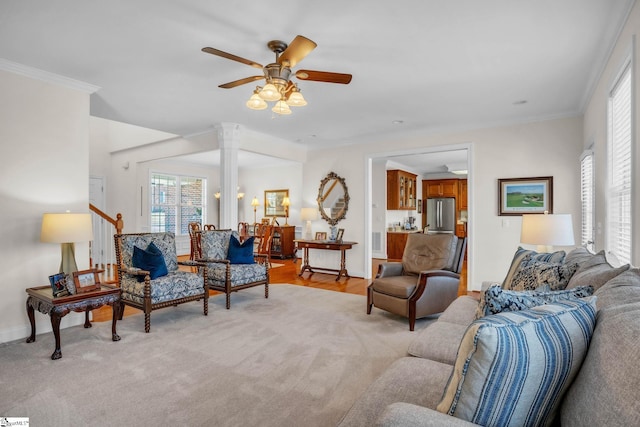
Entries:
{"x":333,"y":198}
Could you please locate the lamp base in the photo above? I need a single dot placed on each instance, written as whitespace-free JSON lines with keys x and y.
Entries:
{"x":68,"y":262}
{"x":308,"y":234}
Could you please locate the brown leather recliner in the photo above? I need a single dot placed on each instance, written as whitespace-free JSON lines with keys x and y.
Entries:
{"x":425,"y":282}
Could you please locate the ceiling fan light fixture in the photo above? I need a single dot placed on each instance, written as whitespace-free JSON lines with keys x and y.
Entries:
{"x":269,"y":92}
{"x":296,"y":99}
{"x":256,"y":103}
{"x":282,"y":108}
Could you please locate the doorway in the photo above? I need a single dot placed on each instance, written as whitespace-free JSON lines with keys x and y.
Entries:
{"x":375,"y":205}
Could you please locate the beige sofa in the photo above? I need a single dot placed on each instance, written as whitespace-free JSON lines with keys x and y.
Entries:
{"x":605,"y":391}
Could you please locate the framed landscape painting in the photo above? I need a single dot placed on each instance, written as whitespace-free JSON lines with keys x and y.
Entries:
{"x":273,"y":202}
{"x":525,"y":195}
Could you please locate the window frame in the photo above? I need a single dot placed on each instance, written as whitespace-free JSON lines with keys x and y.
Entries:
{"x":587,"y":199}
{"x":178,"y":206}
{"x":620,"y":172}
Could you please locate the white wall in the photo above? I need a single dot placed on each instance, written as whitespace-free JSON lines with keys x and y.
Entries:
{"x":595,"y":129}
{"x":45,"y":168}
{"x":547,"y":148}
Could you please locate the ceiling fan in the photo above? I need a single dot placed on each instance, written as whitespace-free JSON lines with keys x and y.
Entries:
{"x":278,"y":85}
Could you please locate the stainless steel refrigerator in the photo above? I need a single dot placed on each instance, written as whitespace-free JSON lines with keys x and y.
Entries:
{"x":441,"y":215}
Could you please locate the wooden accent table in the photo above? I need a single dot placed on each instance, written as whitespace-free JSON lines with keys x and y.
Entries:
{"x":325,"y":245}
{"x":41,"y":299}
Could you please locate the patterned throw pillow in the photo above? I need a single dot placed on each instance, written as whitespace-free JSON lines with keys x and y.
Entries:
{"x":497,"y":300}
{"x":555,"y":257}
{"x":513,"y":368}
{"x":533,"y":273}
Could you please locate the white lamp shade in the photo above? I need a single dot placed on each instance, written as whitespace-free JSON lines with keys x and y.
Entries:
{"x":547,"y":230}
{"x":308,"y":214}
{"x":66,"y":228}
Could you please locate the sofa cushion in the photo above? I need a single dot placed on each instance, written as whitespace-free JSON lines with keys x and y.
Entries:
{"x":439,"y":341}
{"x":240,"y":274}
{"x":151,"y":260}
{"x":606,"y":390}
{"x":429,"y":252}
{"x":513,"y":368}
{"x":175,"y":285}
{"x":397,"y":286}
{"x":215,"y":243}
{"x":409,"y":379}
{"x":241,"y":253}
{"x":595,"y":272}
{"x":579,"y":256}
{"x":533,"y":274}
{"x":555,"y":257}
{"x":497,"y":300}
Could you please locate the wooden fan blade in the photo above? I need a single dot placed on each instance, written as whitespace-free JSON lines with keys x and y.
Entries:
{"x":222,"y":54}
{"x":297,"y":50}
{"x":323,"y":76}
{"x":240,"y":82}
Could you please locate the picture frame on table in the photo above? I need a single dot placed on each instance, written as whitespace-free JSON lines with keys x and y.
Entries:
{"x":86,"y":280}
{"x":321,"y":235}
{"x":58,"y":283}
{"x":339,"y":235}
{"x":518,"y":196}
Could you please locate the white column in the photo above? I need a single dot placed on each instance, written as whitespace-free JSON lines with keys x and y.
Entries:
{"x":229,"y":141}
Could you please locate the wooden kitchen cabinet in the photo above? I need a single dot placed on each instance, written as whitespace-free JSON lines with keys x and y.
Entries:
{"x":462,"y":194}
{"x":441,"y":187}
{"x":396,"y":241}
{"x":401,"y":190}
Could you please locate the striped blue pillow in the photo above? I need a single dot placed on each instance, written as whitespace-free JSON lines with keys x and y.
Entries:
{"x":513,"y":368}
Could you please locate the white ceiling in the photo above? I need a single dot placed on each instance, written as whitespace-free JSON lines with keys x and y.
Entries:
{"x":433,"y":65}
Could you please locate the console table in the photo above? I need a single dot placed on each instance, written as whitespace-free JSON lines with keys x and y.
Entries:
{"x":41,"y":299}
{"x":324,"y":245}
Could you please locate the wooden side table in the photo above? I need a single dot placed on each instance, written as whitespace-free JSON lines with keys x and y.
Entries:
{"x":41,"y":299}
{"x":325,"y":245}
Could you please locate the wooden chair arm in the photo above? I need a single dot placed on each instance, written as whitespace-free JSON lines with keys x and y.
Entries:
{"x":213,"y":261}
{"x":192,"y":263}
{"x":134,"y":271}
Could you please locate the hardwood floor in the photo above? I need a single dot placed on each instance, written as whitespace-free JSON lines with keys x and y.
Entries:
{"x":288,"y":273}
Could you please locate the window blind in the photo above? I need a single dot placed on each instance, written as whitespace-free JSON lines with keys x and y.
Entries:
{"x":619,"y":151}
{"x":587,"y":189}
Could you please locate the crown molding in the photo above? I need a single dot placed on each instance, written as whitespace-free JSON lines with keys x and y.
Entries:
{"x":45,"y":76}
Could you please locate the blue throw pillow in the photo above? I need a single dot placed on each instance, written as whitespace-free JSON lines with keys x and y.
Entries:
{"x":241,"y":253}
{"x":150,"y":260}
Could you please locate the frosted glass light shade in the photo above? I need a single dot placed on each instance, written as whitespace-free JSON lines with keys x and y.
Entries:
{"x":281,"y":107}
{"x":255,"y":202}
{"x":296,"y":100}
{"x":269,"y":92}
{"x":547,"y":230}
{"x":256,"y":103}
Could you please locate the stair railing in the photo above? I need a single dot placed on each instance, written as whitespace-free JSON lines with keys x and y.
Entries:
{"x":102,"y":253}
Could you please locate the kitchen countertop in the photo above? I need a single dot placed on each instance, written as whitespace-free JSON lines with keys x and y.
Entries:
{"x":404,"y":231}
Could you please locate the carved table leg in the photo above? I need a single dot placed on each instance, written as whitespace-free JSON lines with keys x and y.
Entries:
{"x":343,"y":265}
{"x":32,"y":320}
{"x":87,"y":324}
{"x":115,"y":307}
{"x":55,"y":325}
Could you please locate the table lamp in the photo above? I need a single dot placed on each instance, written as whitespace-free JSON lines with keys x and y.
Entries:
{"x":308,"y":215}
{"x":66,"y":229}
{"x":286,"y":203}
{"x":547,"y":230}
{"x":255,"y":203}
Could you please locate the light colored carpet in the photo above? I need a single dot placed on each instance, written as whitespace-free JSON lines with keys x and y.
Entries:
{"x":301,"y":357}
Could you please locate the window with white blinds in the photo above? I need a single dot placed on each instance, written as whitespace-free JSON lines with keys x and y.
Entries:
{"x":587,"y":189}
{"x":620,"y":175}
{"x":176,"y":201}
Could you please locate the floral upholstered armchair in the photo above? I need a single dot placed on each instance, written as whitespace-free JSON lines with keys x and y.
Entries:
{"x":231,"y":265}
{"x":149,"y":277}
